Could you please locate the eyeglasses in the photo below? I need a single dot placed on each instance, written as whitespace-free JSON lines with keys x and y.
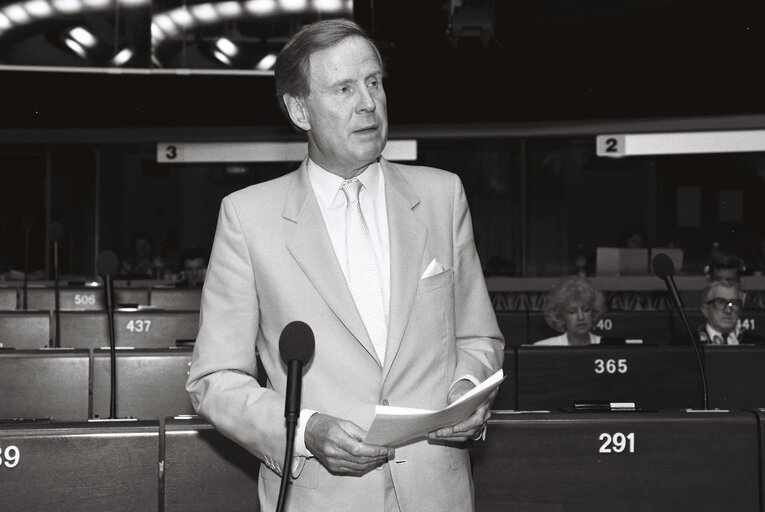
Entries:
{"x":721,"y":304}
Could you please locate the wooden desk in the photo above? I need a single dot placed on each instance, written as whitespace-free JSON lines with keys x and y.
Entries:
{"x":204,"y":470}
{"x":668,"y":461}
{"x":142,"y":329}
{"x":150,"y":383}
{"x":50,"y":383}
{"x":25,"y":329}
{"x":553,"y":378}
{"x":83,"y":467}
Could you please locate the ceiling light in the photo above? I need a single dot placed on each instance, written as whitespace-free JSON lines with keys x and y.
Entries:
{"x":266,"y":62}
{"x":204,"y":12}
{"x":225,"y":51}
{"x":122,"y":57}
{"x":17,"y":14}
{"x":229,"y":9}
{"x":67,"y":6}
{"x":260,"y":6}
{"x":328,"y":5}
{"x":181,"y":17}
{"x":39,"y":8}
{"x":83,"y":37}
{"x":5,"y":23}
{"x":134,"y":3}
{"x":156,"y":32}
{"x":97,"y":4}
{"x":164,"y":22}
{"x":293,"y":5}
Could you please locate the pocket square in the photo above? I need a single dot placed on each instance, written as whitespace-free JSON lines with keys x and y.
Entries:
{"x":434,"y":268}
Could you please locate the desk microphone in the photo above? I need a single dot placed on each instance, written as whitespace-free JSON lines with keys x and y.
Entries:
{"x":107,"y":265}
{"x":27,"y":223}
{"x":665,"y":269}
{"x":296,"y":346}
{"x":55,"y":235}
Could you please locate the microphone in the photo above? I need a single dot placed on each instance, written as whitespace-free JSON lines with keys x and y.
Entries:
{"x":665,"y":269}
{"x":27,"y":223}
{"x":107,"y":265}
{"x":296,"y":345}
{"x":55,"y":235}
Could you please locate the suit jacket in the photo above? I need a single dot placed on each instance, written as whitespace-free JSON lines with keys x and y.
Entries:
{"x":272,"y":262}
{"x":744,"y":336}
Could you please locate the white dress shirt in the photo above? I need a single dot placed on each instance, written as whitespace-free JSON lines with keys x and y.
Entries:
{"x":327,"y":189}
{"x":332,"y":203}
{"x":728,"y":339}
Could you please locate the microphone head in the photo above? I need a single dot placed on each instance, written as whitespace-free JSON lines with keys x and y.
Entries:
{"x":107,"y":264}
{"x":27,"y":223}
{"x":296,"y":342}
{"x":56,"y":232}
{"x":663,"y":266}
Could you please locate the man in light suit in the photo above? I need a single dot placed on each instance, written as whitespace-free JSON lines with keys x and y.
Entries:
{"x":415,"y":330}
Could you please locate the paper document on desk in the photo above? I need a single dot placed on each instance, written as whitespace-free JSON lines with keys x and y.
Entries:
{"x":395,"y":426}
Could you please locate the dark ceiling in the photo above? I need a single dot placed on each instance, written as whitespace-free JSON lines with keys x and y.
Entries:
{"x":545,"y":60}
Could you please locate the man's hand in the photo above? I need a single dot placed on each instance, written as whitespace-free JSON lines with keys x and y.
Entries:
{"x":472,"y":426}
{"x":338,"y":445}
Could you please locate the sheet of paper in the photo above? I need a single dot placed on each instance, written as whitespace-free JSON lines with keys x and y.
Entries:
{"x":395,"y":426}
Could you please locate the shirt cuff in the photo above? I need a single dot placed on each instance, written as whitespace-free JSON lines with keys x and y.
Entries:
{"x":300,"y":449}
{"x":468,"y":377}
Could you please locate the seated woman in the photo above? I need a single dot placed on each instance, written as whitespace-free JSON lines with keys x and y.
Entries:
{"x":572,"y":308}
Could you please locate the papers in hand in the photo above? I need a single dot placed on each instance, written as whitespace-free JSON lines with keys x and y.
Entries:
{"x":395,"y":426}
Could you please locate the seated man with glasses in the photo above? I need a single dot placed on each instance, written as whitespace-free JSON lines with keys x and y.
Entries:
{"x":721,"y":305}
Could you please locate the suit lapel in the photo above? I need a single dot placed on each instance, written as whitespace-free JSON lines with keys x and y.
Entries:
{"x":311,"y":247}
{"x":407,"y":244}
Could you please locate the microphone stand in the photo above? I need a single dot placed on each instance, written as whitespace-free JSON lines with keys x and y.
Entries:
{"x":670,"y":282}
{"x":291,"y":413}
{"x":108,"y":286}
{"x":287,"y":469}
{"x":56,"y":294}
{"x":26,"y":266}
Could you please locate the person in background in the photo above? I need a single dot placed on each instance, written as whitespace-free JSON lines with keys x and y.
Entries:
{"x":138,"y":262}
{"x":379,"y":260}
{"x":572,"y":308}
{"x":633,"y":238}
{"x":722,"y":302}
{"x":725,"y":266}
{"x":193,"y":267}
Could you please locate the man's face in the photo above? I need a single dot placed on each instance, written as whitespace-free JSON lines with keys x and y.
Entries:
{"x":724,"y":320}
{"x":346,"y":112}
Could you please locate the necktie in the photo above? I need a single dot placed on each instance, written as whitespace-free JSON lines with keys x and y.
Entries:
{"x":364,"y":276}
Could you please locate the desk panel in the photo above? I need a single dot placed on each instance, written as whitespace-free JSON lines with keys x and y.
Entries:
{"x":142,"y":329}
{"x":506,"y":398}
{"x":51,"y":383}
{"x":176,"y":298}
{"x":537,"y":327}
{"x":80,"y":467}
{"x":8,"y":298}
{"x":25,"y":329}
{"x":679,"y":334}
{"x":735,"y":376}
{"x":669,"y":461}
{"x":204,"y":469}
{"x":553,"y":378}
{"x":513,"y":325}
{"x":150,"y":383}
{"x":86,"y":298}
{"x":651,"y":327}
